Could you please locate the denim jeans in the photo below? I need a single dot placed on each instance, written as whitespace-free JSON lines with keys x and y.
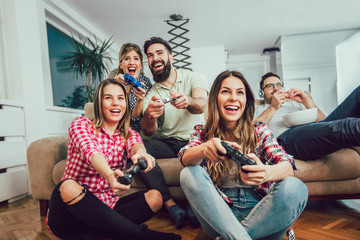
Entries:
{"x":340,"y":129}
{"x":250,"y":217}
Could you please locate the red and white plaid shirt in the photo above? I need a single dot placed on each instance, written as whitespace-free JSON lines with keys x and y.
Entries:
{"x":84,"y":142}
{"x":267,"y":149}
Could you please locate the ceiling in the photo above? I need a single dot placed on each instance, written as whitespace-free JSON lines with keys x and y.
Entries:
{"x":242,"y":26}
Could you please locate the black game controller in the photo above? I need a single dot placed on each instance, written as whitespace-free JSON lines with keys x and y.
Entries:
{"x":236,"y":155}
{"x":127,"y":178}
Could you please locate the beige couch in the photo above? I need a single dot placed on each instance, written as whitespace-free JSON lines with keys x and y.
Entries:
{"x":335,"y":176}
{"x":46,"y":163}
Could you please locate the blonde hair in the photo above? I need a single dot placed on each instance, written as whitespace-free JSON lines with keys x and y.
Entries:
{"x":244,"y":133}
{"x":126,"y":48}
{"x":124,"y":123}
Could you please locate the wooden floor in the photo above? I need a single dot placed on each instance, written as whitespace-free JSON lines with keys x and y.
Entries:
{"x":321,"y":220}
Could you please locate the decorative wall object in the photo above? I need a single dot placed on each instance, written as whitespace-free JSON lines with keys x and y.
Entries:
{"x":180,"y":50}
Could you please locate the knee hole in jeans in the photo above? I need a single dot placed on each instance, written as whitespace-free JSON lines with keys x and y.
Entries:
{"x":71,"y":192}
{"x":154,"y":200}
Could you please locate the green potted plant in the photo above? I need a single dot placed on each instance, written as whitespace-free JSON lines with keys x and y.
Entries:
{"x":89,"y":59}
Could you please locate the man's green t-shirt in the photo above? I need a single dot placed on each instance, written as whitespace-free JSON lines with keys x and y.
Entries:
{"x":177,"y":123}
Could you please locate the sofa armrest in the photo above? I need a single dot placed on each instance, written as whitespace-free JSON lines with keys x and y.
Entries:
{"x":42,"y":155}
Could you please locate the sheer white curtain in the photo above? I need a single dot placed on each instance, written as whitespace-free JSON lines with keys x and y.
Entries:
{"x":2,"y":55}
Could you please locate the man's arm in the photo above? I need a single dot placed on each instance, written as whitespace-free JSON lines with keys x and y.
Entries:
{"x":267,"y":115}
{"x":149,"y":120}
{"x":306,"y":99}
{"x":195,"y":103}
{"x":311,"y":104}
{"x":148,"y":124}
{"x":277,"y":100}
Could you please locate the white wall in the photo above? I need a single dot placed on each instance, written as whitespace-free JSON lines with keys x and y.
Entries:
{"x":26,"y":77}
{"x":252,"y":66}
{"x":313,"y":56}
{"x":209,"y":61}
{"x":348,"y":66}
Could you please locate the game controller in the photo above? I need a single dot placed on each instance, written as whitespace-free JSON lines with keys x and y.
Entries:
{"x":130,"y":79}
{"x":236,"y":155}
{"x":166,"y":100}
{"x":127,"y":178}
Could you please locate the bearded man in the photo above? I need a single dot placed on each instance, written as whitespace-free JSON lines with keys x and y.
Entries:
{"x":170,"y":124}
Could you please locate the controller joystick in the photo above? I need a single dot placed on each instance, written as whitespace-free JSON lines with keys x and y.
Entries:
{"x":127,"y":178}
{"x":236,"y":155}
{"x":130,"y":79}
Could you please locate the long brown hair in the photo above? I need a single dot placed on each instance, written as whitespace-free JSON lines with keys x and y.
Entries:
{"x":124,"y":123}
{"x":244,"y":133}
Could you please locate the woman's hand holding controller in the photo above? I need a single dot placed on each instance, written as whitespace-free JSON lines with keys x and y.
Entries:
{"x":215,"y":151}
{"x":120,"y":78}
{"x":212,"y":148}
{"x":117,"y":187}
{"x":256,"y":174}
{"x":139,"y":93}
{"x":150,"y":160}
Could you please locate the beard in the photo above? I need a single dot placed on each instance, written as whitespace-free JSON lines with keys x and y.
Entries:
{"x":162,"y":75}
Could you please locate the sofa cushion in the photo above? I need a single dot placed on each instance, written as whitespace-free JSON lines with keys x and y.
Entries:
{"x":89,"y":110}
{"x":340,"y":165}
{"x":339,"y":187}
{"x":58,"y":171}
{"x":171,"y":168}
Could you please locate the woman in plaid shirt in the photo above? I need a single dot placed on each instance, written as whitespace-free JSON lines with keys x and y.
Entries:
{"x":86,"y":204}
{"x":262,"y":203}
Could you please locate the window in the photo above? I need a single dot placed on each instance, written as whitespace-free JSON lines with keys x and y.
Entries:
{"x":68,"y":91}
